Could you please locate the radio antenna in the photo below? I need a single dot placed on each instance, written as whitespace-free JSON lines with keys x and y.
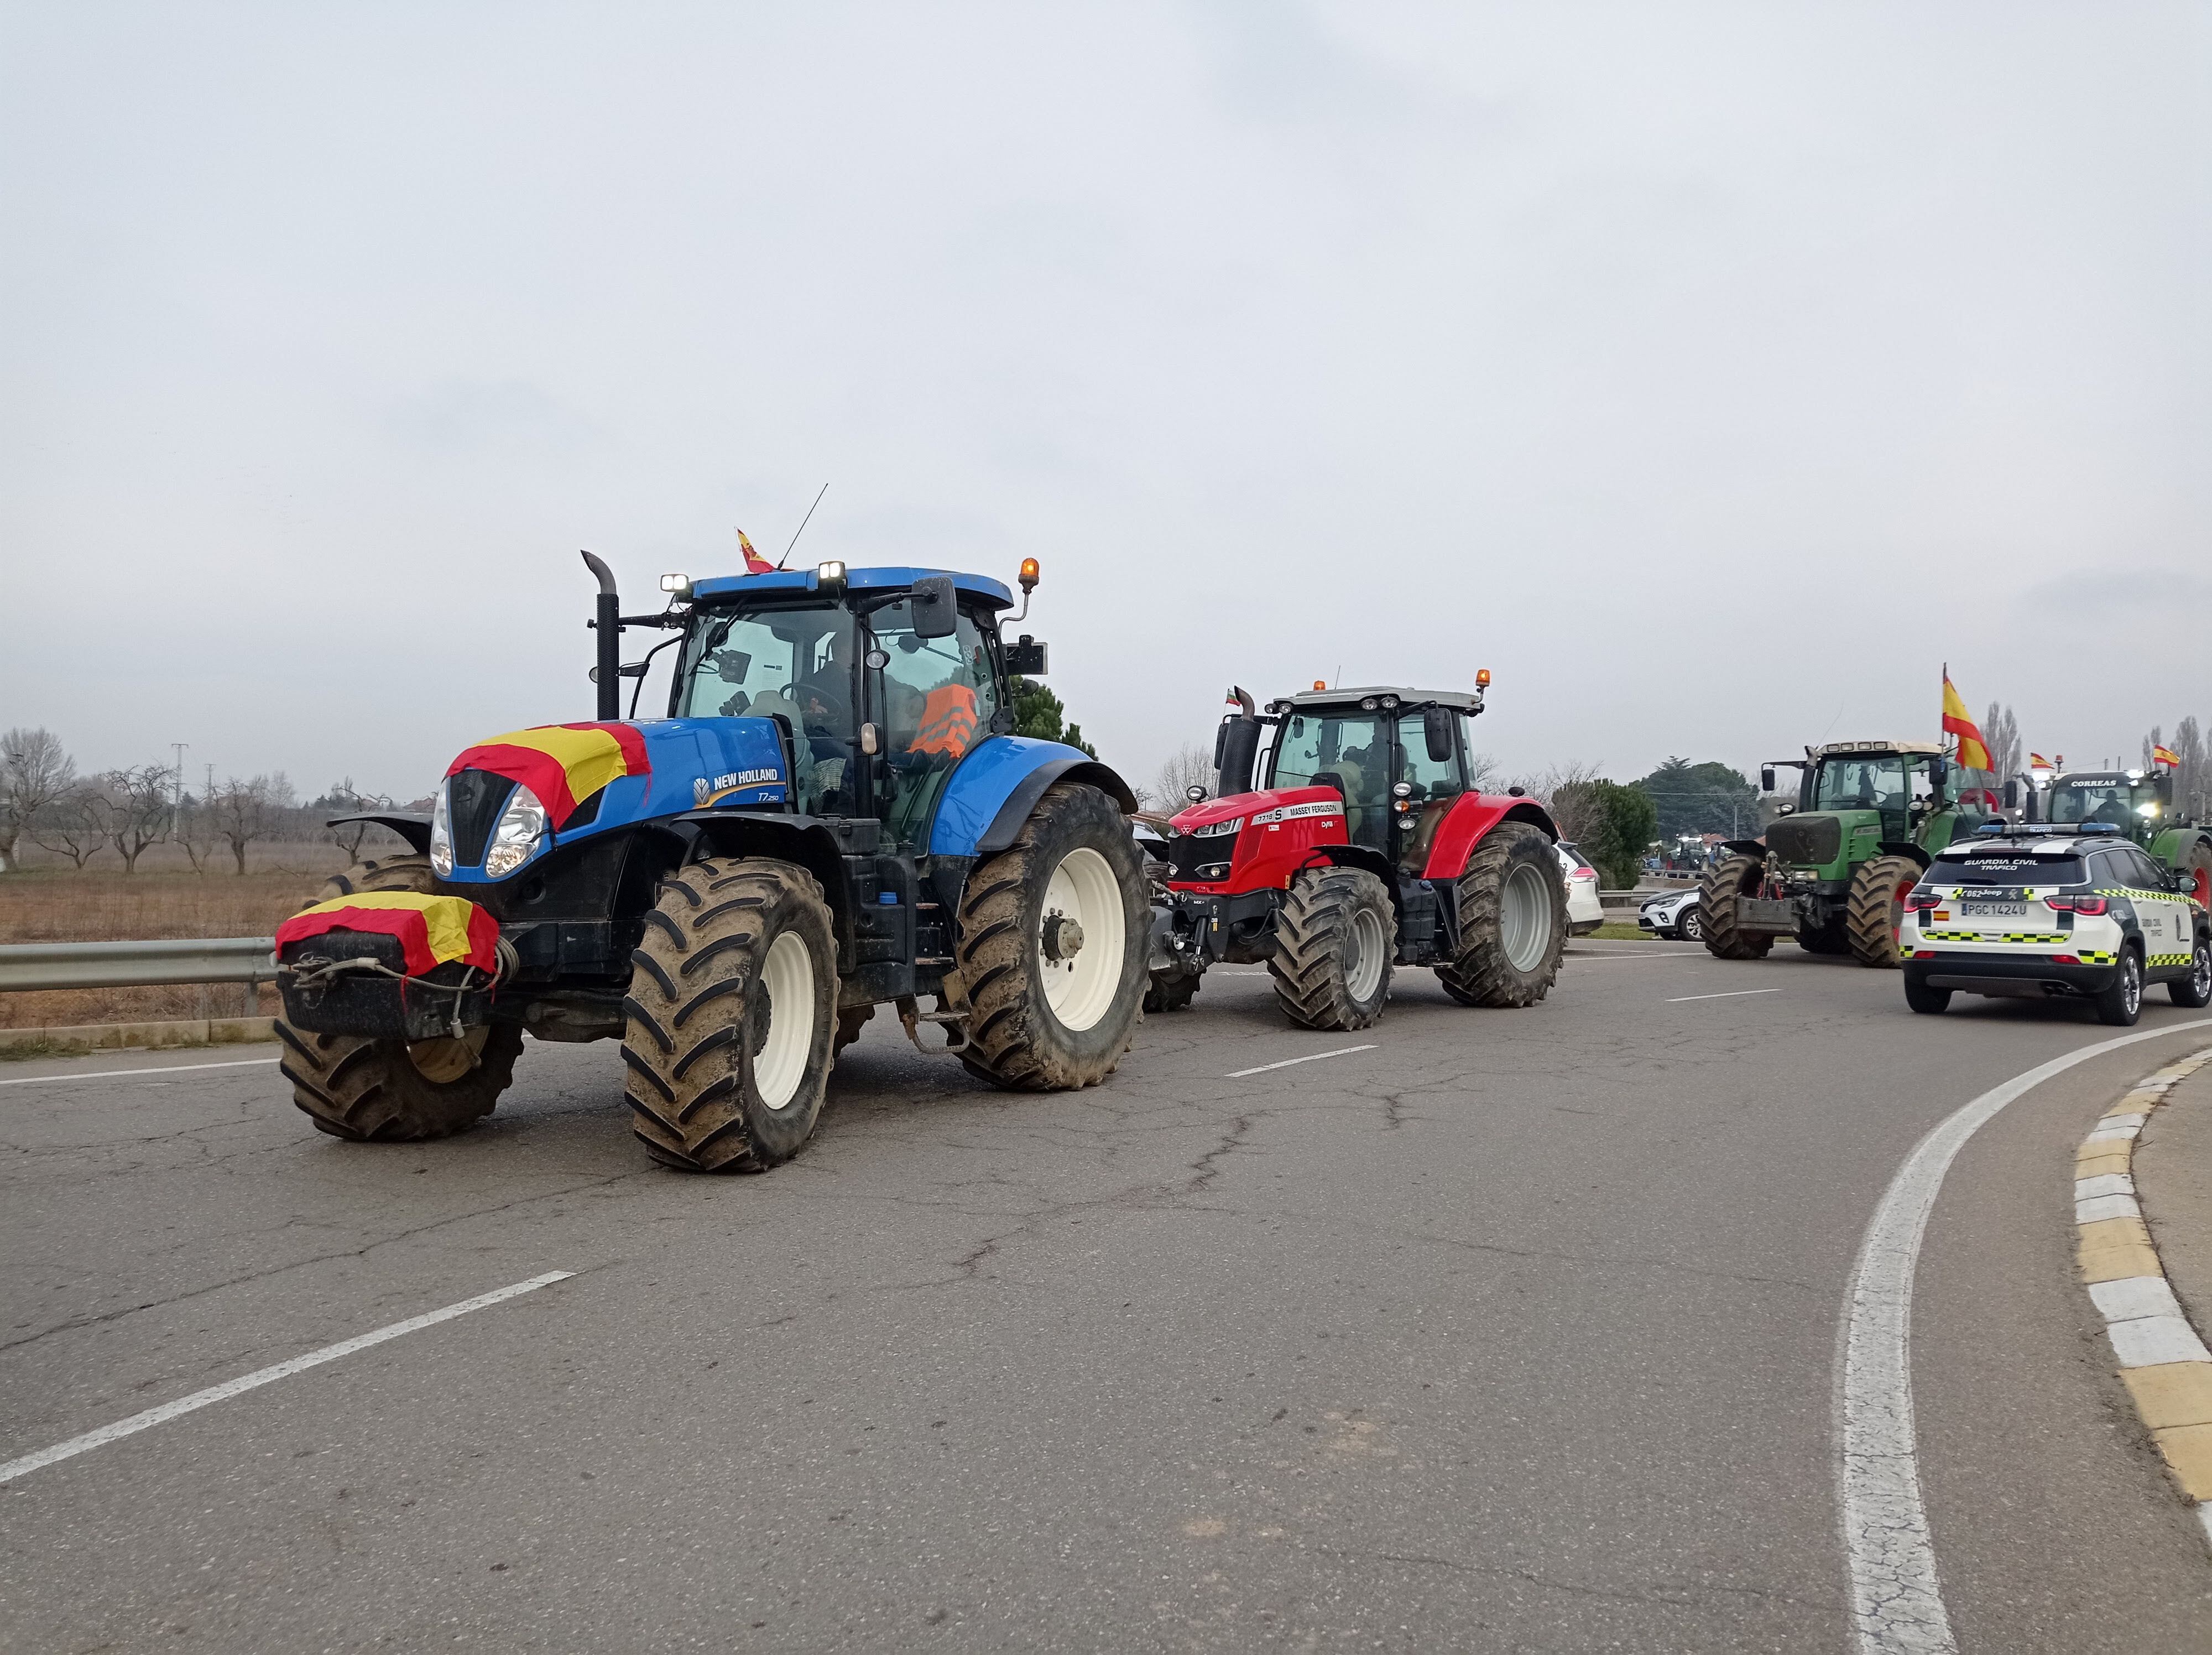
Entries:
{"x":801,"y":529}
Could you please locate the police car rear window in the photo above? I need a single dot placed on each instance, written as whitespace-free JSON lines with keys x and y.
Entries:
{"x":2007,"y":868}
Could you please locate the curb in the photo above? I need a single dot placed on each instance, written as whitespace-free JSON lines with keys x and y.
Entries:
{"x":2163,"y":1362}
{"x":113,"y":1036}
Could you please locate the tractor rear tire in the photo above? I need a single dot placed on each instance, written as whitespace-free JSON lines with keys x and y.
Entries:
{"x":1335,"y":936}
{"x":2196,"y":861}
{"x":1041,"y":1018}
{"x":1877,"y":908}
{"x":732,"y":1012}
{"x":386,"y":1091}
{"x":1512,"y":925}
{"x":1731,"y":877}
{"x":1833,"y":938}
{"x":1170,"y":994}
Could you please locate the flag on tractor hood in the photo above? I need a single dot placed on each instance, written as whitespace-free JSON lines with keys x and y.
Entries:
{"x":1972,"y":755}
{"x":563,"y":764}
{"x":431,"y":929}
{"x":2166,"y":756}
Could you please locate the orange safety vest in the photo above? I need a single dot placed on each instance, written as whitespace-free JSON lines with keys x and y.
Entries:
{"x":948,"y":722}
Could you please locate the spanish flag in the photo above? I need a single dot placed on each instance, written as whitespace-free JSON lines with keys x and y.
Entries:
{"x":2037,"y":761}
{"x":1972,"y":755}
{"x":755,"y":563}
{"x":563,"y":764}
{"x":2166,"y":756}
{"x":431,"y":929}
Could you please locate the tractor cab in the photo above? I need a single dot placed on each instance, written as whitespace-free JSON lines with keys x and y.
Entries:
{"x":882,"y":679}
{"x":1397,"y":757}
{"x":2135,"y":803}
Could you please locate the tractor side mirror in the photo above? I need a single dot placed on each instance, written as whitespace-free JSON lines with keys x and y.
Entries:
{"x":1437,"y":733}
{"x":1938,"y":773}
{"x":931,"y":605}
{"x":1026,"y":657}
{"x":2012,"y":792}
{"x":1766,"y":778}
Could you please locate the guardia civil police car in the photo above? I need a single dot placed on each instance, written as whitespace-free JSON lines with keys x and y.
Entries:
{"x":2027,"y":912}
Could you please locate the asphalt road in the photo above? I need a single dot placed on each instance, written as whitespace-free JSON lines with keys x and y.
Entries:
{"x":1518,"y":1331}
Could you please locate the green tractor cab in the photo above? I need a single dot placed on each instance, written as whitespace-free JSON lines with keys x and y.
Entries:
{"x":2139,"y":804}
{"x":1836,"y":865}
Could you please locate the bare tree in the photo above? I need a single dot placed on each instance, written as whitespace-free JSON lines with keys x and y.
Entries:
{"x":349,"y":835}
{"x":243,"y":812}
{"x":133,"y":809}
{"x":1189,"y":766}
{"x":199,"y":831}
{"x":35,"y":772}
{"x":1564,"y":790}
{"x":74,"y":826}
{"x":2191,"y":782}
{"x":2001,"y":735}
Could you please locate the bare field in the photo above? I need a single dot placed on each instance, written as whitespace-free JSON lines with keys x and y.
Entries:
{"x":50,"y":904}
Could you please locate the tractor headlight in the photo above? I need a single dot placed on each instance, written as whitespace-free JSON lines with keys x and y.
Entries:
{"x":441,"y":835}
{"x":1215,"y":829}
{"x":521,"y":830}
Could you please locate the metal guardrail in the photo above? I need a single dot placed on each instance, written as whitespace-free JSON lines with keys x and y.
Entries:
{"x":27,"y":965}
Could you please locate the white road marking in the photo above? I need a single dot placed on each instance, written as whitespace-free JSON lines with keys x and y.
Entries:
{"x":2097,"y":1208}
{"x":1314,"y":1057}
{"x":1573,"y":953}
{"x":1897,"y":1602}
{"x":2133,"y":1297}
{"x":113,"y":1074}
{"x":1733,"y":993}
{"x":229,"y":1388}
{"x":2104,"y":1183}
{"x":2155,"y":1341}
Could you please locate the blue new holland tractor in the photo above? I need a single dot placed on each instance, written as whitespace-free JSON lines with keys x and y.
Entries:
{"x":833,"y":815}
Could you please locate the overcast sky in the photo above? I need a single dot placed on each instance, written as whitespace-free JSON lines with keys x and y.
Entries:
{"x":1711,"y":374}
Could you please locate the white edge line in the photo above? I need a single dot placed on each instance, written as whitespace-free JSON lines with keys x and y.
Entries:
{"x":1733,"y":993}
{"x":1313,"y":1057}
{"x":1897,"y":1601}
{"x":229,"y":1388}
{"x":112,"y":1075}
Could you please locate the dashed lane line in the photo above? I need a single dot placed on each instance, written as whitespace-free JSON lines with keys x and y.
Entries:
{"x":229,"y":1388}
{"x":1897,"y":1600}
{"x":116,"y":1074}
{"x":1733,"y":993}
{"x":1312,"y":1057}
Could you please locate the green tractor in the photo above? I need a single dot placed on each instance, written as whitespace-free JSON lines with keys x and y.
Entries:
{"x":2141,"y":806}
{"x":1837,"y":865}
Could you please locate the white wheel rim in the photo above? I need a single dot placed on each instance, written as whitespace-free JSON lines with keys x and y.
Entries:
{"x":788,"y":980}
{"x":1081,"y":990}
{"x":1524,"y":916}
{"x":1362,"y":972}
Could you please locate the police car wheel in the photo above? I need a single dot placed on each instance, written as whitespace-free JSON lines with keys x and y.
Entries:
{"x":2194,"y":992}
{"x":1921,"y":998}
{"x":2121,"y":1003}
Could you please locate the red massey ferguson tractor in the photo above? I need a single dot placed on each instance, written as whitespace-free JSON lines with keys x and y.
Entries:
{"x":1364,"y":847}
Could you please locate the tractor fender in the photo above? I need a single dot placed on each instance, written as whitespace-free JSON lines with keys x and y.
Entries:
{"x":1473,"y":815}
{"x":1904,"y":847}
{"x":413,"y":826}
{"x":804,"y":840}
{"x":1360,"y":856}
{"x":993,"y":790}
{"x":1750,"y":847}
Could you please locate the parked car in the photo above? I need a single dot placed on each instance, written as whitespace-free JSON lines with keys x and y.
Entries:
{"x":1585,"y":913}
{"x":1671,"y":914}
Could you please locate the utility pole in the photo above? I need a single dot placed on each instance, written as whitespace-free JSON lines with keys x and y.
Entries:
{"x":177,"y":799}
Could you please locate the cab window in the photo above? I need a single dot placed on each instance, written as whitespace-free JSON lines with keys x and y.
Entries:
{"x":935,"y":698}
{"x":1872,"y":783}
{"x":1436,"y":782}
{"x":1349,"y":753}
{"x":795,"y":662}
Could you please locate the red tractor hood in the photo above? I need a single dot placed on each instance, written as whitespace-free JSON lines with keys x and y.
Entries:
{"x":1211,"y":811}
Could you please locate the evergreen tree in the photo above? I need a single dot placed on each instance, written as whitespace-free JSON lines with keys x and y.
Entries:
{"x":1707,"y":798}
{"x":1039,"y":714}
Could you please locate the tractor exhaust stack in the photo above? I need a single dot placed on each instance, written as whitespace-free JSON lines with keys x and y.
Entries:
{"x":608,"y":674}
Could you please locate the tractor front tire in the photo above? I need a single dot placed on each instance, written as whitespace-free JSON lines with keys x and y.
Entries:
{"x":1050,"y":951}
{"x":387,"y":1091}
{"x":1877,"y":908}
{"x":1732,"y":876}
{"x":733,"y":1016}
{"x":1512,"y":920}
{"x":1170,"y":993}
{"x":1833,"y":938}
{"x":2196,"y":861}
{"x":1335,"y":939}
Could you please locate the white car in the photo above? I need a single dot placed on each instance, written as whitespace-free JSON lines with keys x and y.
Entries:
{"x":1671,"y":914}
{"x":1585,"y":913}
